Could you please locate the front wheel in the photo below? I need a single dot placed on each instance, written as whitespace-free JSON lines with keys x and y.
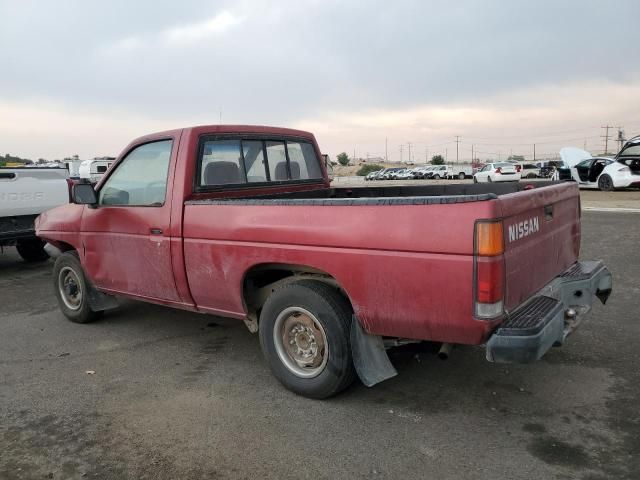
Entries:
{"x":32,"y":250}
{"x":489,"y":180}
{"x":461,"y":176}
{"x":605,"y":183}
{"x":72,"y":289}
{"x":436,"y":177}
{"x":475,"y":180}
{"x":304,"y":336}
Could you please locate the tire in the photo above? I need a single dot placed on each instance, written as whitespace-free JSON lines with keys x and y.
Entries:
{"x":461,"y":176}
{"x":489,"y":179}
{"x":436,"y":177}
{"x":605,"y":183}
{"x":300,"y":308}
{"x":71,"y":289}
{"x":32,"y":250}
{"x":475,"y":180}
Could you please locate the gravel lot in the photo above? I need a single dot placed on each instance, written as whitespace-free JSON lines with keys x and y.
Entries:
{"x":177,"y":395}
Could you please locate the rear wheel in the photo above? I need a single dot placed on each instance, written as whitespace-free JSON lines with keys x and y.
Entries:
{"x":32,"y":250}
{"x":475,"y":180}
{"x":461,"y":176}
{"x":304,"y":335}
{"x":436,"y":177}
{"x":72,"y":289}
{"x":605,"y":183}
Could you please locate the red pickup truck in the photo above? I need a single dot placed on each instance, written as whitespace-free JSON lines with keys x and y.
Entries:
{"x":242,"y":222}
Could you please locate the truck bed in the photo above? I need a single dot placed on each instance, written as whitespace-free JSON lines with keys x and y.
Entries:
{"x":390,"y":253}
{"x":385,"y":195}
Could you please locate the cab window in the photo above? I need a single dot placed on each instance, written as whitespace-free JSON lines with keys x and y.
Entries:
{"x":254,"y":160}
{"x":141,"y":178}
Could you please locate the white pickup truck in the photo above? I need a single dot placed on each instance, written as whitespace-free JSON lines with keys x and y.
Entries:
{"x":25,"y":193}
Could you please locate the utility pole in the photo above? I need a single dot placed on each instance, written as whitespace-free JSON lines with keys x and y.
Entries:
{"x":606,"y":137}
{"x":620,"y":138}
{"x":354,"y":155}
{"x":401,"y":153}
{"x":386,"y":158}
{"x":534,"y":153}
{"x":426,"y":155}
{"x":472,"y":159}
{"x":446,"y":154}
{"x":457,"y":142}
{"x":409,"y":161}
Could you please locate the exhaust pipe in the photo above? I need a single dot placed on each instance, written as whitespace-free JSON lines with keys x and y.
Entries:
{"x":445,"y":351}
{"x":52,"y":251}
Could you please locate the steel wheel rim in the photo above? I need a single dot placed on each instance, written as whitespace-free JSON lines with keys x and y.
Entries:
{"x":70,"y":288}
{"x":301,"y":342}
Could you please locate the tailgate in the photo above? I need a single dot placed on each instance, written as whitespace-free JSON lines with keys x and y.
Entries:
{"x":541,"y":237}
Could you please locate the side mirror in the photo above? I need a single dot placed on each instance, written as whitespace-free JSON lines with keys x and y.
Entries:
{"x":84,"y":194}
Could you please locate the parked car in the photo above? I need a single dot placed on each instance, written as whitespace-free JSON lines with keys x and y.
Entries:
{"x":406,"y":174}
{"x":390,"y":173}
{"x":437,"y":172}
{"x":421,"y":172}
{"x":497,"y":172}
{"x":242,"y":222}
{"x":605,"y":173}
{"x":459,"y":171}
{"x":530,"y":170}
{"x":26,"y":192}
{"x":93,"y":170}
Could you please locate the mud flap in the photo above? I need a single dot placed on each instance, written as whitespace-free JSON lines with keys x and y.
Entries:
{"x":369,"y":356}
{"x":100,"y":301}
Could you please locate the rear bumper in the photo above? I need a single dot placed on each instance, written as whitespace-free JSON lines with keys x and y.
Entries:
{"x":549,"y":317}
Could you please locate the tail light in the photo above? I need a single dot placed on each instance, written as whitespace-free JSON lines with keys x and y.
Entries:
{"x":489,"y":269}
{"x":518,"y":168}
{"x":624,"y":169}
{"x":498,"y":170}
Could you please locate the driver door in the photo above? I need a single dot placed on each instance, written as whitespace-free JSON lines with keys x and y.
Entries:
{"x":581,"y":174}
{"x":125,"y":238}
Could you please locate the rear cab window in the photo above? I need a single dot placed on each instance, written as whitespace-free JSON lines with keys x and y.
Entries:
{"x":251,"y":161}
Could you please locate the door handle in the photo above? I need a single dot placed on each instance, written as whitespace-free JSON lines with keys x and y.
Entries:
{"x":155,"y":231}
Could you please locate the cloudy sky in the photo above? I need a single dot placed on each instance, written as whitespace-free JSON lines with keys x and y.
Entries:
{"x":86,"y":77}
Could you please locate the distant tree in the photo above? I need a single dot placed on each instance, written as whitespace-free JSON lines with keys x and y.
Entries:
{"x":437,"y":160}
{"x":368,"y":168}
{"x":516,"y":158}
{"x":343,"y":159}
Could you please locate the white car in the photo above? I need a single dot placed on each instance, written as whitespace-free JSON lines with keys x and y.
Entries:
{"x":605,"y":173}
{"x":497,"y":172}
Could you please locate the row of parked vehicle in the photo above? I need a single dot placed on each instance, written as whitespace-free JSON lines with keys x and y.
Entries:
{"x":434,"y":172}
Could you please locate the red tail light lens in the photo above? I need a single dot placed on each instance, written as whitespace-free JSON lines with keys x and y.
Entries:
{"x":498,"y":170}
{"x":518,"y":168}
{"x":490,"y":281}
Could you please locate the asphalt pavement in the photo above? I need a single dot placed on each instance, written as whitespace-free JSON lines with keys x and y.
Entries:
{"x":153,"y":393}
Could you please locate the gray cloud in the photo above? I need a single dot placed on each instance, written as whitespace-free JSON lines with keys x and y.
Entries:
{"x":302,"y":56}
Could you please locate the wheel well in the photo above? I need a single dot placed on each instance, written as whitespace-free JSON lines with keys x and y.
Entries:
{"x":262,"y":280}
{"x":63,"y":246}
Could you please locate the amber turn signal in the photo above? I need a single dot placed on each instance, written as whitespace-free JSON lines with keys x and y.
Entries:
{"x":489,"y":239}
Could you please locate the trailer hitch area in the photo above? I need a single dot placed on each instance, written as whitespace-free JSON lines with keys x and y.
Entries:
{"x":369,"y":356}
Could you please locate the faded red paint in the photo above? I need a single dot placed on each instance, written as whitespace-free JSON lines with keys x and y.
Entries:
{"x":408,"y":270}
